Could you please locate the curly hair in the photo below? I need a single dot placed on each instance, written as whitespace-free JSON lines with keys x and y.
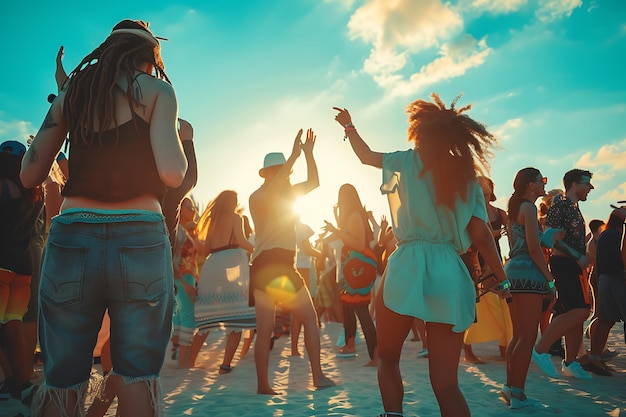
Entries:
{"x":452,"y":146}
{"x":90,"y":99}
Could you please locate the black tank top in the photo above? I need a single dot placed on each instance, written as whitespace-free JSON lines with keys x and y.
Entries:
{"x":115,"y":168}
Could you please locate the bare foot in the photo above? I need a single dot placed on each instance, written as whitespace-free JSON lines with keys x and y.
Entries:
{"x":266,"y":391}
{"x":296,"y":353}
{"x":373,"y":363}
{"x":322,"y":382}
{"x":473,"y":359}
{"x":346,"y":350}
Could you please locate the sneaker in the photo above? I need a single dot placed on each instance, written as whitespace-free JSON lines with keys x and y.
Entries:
{"x":557,"y":350}
{"x":575,"y":370}
{"x":526,"y":403}
{"x":506,"y":395}
{"x":544,"y":362}
{"x":422,"y":353}
{"x":596,"y":369}
{"x":608,"y":354}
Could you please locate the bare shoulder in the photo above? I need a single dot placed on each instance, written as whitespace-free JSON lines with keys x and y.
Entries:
{"x":153,"y":85}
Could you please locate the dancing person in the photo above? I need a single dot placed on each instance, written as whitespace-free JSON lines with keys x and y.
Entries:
{"x":437,"y":209}
{"x":493,"y":321}
{"x":21,"y":205}
{"x":223,"y":287}
{"x":354,"y":231}
{"x":531,"y":283}
{"x":124,"y":150}
{"x":567,"y":262}
{"x":611,"y":297}
{"x":273,"y":276}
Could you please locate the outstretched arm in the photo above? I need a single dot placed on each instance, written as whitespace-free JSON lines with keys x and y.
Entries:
{"x":60,"y":75}
{"x":312,"y":180}
{"x":360,"y":148}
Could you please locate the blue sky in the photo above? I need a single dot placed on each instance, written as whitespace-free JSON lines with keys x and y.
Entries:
{"x":546,"y":76}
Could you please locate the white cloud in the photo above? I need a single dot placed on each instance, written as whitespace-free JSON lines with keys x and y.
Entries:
{"x":551,"y":10}
{"x":399,"y":29}
{"x":616,"y":194}
{"x":499,"y":6}
{"x":503,"y":132}
{"x":613,"y":155}
{"x":16,"y":130}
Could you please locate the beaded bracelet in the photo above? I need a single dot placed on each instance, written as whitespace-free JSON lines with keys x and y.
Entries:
{"x":348,"y":128}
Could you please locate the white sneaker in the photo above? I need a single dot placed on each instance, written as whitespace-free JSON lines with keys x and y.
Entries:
{"x":544,"y":362}
{"x":575,"y":370}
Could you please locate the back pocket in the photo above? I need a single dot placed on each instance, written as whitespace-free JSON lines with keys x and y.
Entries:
{"x":62,"y":274}
{"x":144,"y":272}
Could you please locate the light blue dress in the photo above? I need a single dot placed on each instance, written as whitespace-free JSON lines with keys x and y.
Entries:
{"x":425,"y":276}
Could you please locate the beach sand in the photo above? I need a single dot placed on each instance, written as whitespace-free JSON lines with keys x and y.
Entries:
{"x":204,"y":392}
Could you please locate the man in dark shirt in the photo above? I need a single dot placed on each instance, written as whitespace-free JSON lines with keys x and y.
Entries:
{"x":567,"y":263}
{"x":610,"y":261}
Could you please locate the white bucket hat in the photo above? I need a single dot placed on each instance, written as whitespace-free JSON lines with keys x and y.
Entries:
{"x":271,"y":160}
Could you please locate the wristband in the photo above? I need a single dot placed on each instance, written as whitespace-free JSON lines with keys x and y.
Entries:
{"x":504,"y":285}
{"x":348,"y":125}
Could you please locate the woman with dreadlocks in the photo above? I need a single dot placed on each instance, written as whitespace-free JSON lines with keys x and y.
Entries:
{"x":437,"y":210}
{"x":109,"y":247}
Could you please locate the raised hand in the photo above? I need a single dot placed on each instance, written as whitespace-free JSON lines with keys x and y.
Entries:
{"x":186,"y":130}
{"x":343,"y":117}
{"x":297,"y":145}
{"x":307,"y":146}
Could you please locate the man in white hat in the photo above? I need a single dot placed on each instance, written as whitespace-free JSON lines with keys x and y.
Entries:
{"x":273,"y":275}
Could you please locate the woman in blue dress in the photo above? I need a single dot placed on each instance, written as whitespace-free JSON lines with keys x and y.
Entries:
{"x":437,"y":210}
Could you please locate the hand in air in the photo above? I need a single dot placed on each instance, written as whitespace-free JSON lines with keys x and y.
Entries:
{"x":307,"y":146}
{"x":297,"y":145}
{"x":343,"y":116}
{"x":186,"y":130}
{"x":329,"y":227}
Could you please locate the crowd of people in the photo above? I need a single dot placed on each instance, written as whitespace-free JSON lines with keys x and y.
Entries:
{"x":127,"y":252}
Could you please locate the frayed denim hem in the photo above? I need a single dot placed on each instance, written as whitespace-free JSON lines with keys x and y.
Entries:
{"x":59,"y":398}
{"x":153,"y":384}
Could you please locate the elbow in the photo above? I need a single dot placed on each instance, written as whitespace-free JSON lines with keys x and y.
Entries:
{"x":29,"y":179}
{"x":173,"y":177}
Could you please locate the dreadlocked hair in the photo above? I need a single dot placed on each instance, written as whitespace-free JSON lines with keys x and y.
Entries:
{"x":452,"y":146}
{"x":89,"y":102}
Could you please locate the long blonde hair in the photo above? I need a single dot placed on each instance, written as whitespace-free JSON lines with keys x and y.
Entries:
{"x":223,"y":204}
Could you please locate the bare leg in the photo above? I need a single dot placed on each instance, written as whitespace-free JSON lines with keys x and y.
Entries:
{"x":302,"y":307}
{"x":469,"y":355}
{"x":196,"y":345}
{"x":264,"y":307}
{"x":295,"y":335}
{"x":183,"y":357}
{"x":443,"y":365}
{"x":30,"y":340}
{"x":136,"y":400}
{"x":101,"y":404}
{"x":247,"y":341}
{"x":392,"y":329}
{"x":561,"y":325}
{"x":525,"y":316}
{"x":232,"y":343}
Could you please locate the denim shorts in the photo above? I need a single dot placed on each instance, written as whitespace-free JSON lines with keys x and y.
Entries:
{"x":124,"y":266}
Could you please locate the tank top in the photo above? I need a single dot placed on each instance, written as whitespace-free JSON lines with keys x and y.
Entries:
{"x":117,"y":168}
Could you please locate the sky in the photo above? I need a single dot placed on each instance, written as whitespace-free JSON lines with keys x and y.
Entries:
{"x":547,"y":77}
